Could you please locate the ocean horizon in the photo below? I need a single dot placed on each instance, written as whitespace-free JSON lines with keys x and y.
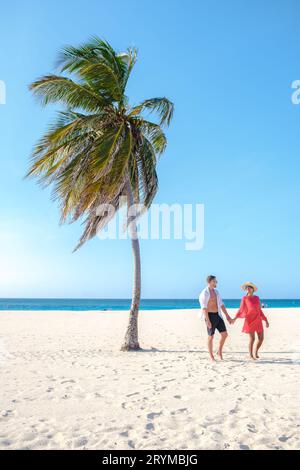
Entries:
{"x":124,"y":304}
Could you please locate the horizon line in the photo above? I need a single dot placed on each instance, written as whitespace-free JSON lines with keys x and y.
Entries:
{"x":129,"y":299}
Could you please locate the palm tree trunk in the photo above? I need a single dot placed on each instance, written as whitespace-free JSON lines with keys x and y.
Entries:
{"x":131,"y":341}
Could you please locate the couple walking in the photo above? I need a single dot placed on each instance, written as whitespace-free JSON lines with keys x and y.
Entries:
{"x":250,"y":309}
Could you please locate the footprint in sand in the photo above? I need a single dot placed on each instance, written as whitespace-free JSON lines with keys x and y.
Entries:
{"x":244,"y":447}
{"x":251,"y":428}
{"x":283,"y":438}
{"x":160,"y":388}
{"x":8,"y":413}
{"x":6,"y":442}
{"x":154,"y":415}
{"x":179,"y":411}
{"x":150,"y":427}
{"x":82,"y":441}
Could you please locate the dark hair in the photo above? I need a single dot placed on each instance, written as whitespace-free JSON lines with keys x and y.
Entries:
{"x":210,"y":278}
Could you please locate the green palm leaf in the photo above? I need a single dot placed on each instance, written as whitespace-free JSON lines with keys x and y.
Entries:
{"x":53,"y":89}
{"x":161,"y":106}
{"x":88,"y":156}
{"x":100,"y":148}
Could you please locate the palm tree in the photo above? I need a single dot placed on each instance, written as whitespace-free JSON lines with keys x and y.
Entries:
{"x":100,"y":149}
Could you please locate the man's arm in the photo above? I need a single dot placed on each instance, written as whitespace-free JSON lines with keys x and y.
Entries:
{"x":207,"y":320}
{"x":204,"y":304}
{"x":229,"y":319}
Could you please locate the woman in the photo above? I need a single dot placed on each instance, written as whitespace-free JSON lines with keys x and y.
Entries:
{"x":250,"y":309}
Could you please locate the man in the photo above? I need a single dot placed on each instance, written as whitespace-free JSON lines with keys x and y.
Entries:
{"x":212,"y":308}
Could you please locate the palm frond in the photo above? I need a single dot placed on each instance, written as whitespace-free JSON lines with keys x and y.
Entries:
{"x":97,"y":63}
{"x":94,"y":201}
{"x":98,"y":144}
{"x":153,"y":132}
{"x":162,"y":106}
{"x":146,"y":163}
{"x":54,"y":89}
{"x":129,"y":58}
{"x":97,"y":220}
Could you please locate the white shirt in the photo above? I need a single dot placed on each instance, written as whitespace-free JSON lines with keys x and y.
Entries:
{"x":204,"y":299}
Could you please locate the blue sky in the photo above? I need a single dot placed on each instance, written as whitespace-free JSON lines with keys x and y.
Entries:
{"x":233,"y":145}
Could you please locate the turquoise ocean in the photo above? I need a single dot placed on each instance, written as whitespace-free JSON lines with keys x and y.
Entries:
{"x":124,"y":304}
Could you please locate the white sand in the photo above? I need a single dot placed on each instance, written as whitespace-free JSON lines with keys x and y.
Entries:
{"x":66,"y":385}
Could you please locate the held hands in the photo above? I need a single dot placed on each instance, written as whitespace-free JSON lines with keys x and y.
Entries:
{"x":267,"y":324}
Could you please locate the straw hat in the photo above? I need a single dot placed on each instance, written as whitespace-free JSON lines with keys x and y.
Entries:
{"x":250,"y":284}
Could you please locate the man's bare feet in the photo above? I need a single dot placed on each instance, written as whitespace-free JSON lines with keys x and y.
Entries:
{"x":220,"y":354}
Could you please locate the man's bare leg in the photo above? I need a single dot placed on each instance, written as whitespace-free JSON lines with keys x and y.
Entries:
{"x":259,"y":343}
{"x":210,"y":347}
{"x":251,"y":344}
{"x":221,"y":344}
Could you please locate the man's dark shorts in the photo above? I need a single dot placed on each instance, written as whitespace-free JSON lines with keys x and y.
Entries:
{"x":217,"y":323}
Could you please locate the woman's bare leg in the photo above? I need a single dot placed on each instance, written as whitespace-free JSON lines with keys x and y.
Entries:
{"x":259,"y":343}
{"x":251,"y":344}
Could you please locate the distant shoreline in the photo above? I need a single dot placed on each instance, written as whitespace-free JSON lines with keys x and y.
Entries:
{"x":124,"y":304}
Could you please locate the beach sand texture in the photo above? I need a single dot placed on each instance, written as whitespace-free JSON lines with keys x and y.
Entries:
{"x":66,"y":385}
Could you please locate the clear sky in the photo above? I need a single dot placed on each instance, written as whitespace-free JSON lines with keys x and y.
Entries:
{"x":233,"y":145}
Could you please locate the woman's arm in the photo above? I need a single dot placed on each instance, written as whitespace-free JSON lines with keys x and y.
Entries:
{"x":241,"y":313}
{"x":263,"y":316}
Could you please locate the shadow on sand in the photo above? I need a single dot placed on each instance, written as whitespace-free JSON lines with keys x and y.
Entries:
{"x":283,"y":361}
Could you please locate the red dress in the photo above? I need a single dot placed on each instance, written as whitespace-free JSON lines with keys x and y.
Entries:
{"x":250,"y":309}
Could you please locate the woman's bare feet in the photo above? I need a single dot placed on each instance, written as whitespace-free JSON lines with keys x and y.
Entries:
{"x":212,"y":358}
{"x":252,"y":358}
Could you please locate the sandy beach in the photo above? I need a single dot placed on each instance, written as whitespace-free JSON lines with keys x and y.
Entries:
{"x":66,"y":385}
